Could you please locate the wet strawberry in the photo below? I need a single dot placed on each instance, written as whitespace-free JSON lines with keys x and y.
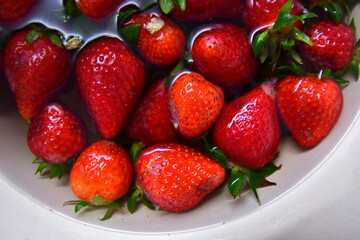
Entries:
{"x":259,"y":15}
{"x":160,"y":41}
{"x":334,"y":45}
{"x":110,"y":79}
{"x":11,"y":10}
{"x":98,"y":8}
{"x":248,"y":130}
{"x":205,"y":10}
{"x":223,"y":54}
{"x":309,"y":106}
{"x":103,"y":170}
{"x":195,"y":104}
{"x":56,"y":134}
{"x":150,"y":120}
{"x":35,"y":68}
{"x":176,"y":177}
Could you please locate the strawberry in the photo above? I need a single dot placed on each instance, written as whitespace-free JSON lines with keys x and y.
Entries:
{"x":259,"y":15}
{"x":11,"y":10}
{"x":160,"y":41}
{"x":36,"y":66}
{"x":334,"y":45}
{"x":150,"y":119}
{"x":102,"y":171}
{"x":56,"y":134}
{"x":223,"y":54}
{"x":248,"y":130}
{"x":201,"y":10}
{"x":195,"y":104}
{"x":309,"y":106}
{"x":176,"y":177}
{"x":110,"y":79}
{"x":97,"y":8}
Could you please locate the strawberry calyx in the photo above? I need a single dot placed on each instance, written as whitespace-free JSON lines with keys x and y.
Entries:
{"x":137,"y":193}
{"x":96,"y":202}
{"x":130,"y":33}
{"x":333,"y":9}
{"x":281,"y":37}
{"x":55,"y":170}
{"x":70,"y":10}
{"x":56,"y":37}
{"x":135,"y":196}
{"x":167,"y":5}
{"x":240,"y":175}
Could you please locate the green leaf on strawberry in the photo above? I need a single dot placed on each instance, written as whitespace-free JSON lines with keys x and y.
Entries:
{"x":181,"y":4}
{"x":32,"y":36}
{"x":131,"y":33}
{"x":96,"y":202}
{"x":56,"y":170}
{"x":236,"y":181}
{"x":38,"y":29}
{"x":70,"y":10}
{"x":133,"y":200}
{"x":281,"y":37}
{"x":259,"y":42}
{"x":135,"y":150}
{"x":334,"y":11}
{"x":173,"y":74}
{"x":166,"y":5}
{"x":124,"y":14}
{"x":255,"y":177}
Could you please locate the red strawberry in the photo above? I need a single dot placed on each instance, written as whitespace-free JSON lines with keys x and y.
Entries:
{"x":35,"y":70}
{"x":176,"y":177}
{"x":334,"y":45}
{"x":248,"y":130}
{"x":104,"y":170}
{"x":309,"y":106}
{"x":98,"y":8}
{"x":56,"y":134}
{"x":110,"y":79}
{"x":161,"y":41}
{"x":206,"y":10}
{"x":11,"y":10}
{"x":150,"y":120}
{"x":223,"y":54}
{"x":259,"y":15}
{"x":195,"y":104}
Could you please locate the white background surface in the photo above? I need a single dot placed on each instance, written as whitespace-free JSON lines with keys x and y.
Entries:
{"x":324,"y":206}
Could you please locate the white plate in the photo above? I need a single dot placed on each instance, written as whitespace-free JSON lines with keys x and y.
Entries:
{"x":219,"y":207}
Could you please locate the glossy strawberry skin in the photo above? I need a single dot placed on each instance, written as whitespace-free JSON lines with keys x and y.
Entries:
{"x":162,"y":47}
{"x":110,"y":79}
{"x":259,"y":15}
{"x":97,"y":8}
{"x":195,"y":104}
{"x":223,"y":54}
{"x":150,"y":121}
{"x":176,"y":177}
{"x":35,"y":71}
{"x":309,"y":107}
{"x":103,"y":169}
{"x":207,"y":10}
{"x":11,"y":10}
{"x":248,"y":130}
{"x":56,"y":134}
{"x":334,"y":45}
